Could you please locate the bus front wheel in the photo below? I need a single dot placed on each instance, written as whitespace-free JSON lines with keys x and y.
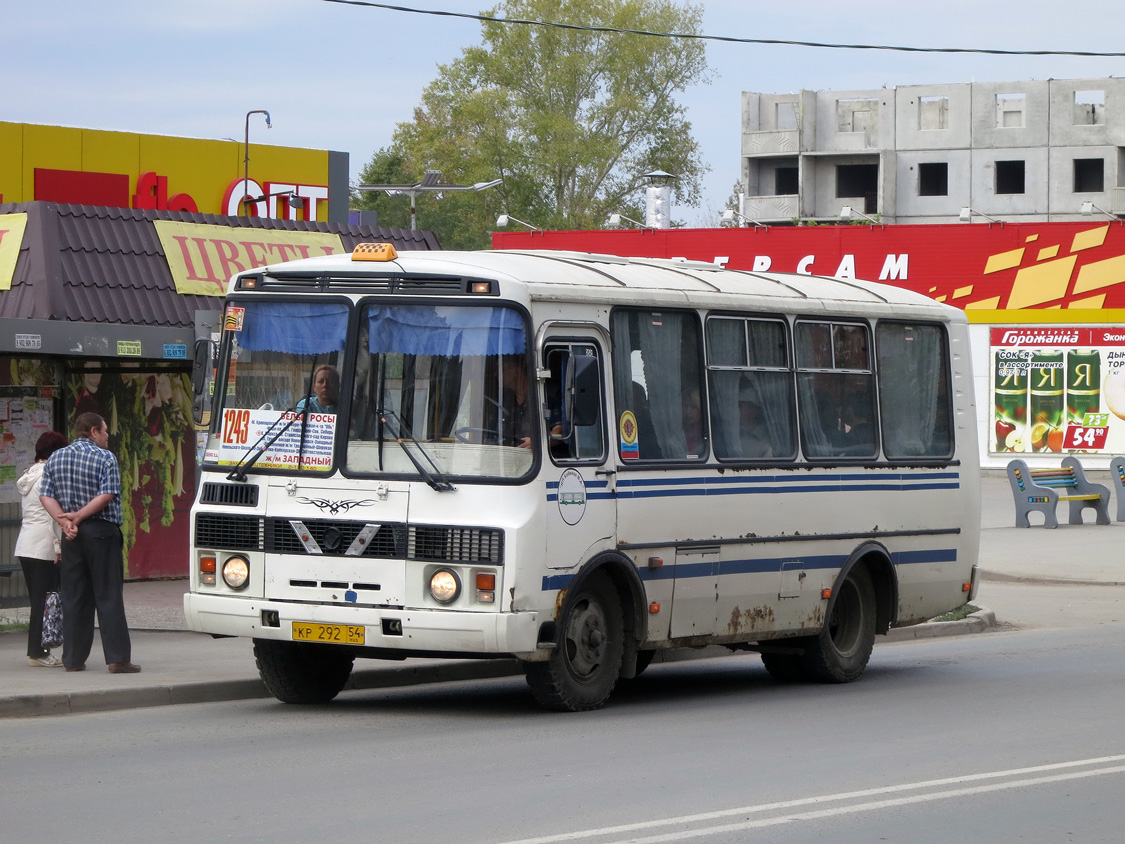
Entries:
{"x":586,"y":660}
{"x":842,"y":649}
{"x":298,"y":673}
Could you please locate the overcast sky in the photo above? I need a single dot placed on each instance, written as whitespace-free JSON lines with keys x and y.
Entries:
{"x":341,"y":77}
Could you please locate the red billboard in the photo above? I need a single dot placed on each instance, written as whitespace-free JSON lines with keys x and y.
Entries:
{"x":1037,"y":269}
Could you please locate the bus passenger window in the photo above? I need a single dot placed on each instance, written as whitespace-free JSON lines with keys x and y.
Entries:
{"x":751,"y":386}
{"x":914,"y":396}
{"x":658,"y":385}
{"x":835,"y":390}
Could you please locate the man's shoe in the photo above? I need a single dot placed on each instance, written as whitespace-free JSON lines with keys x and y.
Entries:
{"x":123,"y":668}
{"x":76,"y":667}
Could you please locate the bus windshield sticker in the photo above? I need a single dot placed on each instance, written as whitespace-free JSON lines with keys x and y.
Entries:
{"x":242,"y":428}
{"x":628,"y":430}
{"x":234,"y":318}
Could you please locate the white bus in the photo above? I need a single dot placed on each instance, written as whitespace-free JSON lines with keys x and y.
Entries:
{"x":578,"y":461}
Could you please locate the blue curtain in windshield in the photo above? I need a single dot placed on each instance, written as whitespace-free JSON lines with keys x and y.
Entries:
{"x":447,"y":331}
{"x":298,"y":328}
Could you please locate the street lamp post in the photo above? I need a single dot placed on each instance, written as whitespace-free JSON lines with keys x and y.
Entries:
{"x":429,"y":183}
{"x":246,"y":156}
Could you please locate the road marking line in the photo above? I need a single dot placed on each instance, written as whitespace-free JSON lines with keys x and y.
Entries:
{"x":836,"y":798}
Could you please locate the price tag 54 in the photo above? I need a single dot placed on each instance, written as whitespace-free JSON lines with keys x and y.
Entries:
{"x":1079,"y":436}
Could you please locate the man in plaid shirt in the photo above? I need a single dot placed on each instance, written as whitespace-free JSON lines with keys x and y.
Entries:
{"x":81,"y":489}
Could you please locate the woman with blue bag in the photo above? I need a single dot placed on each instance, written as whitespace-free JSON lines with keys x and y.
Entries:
{"x":37,"y":549}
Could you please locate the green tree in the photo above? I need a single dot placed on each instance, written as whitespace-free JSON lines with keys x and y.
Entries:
{"x":570,"y":119}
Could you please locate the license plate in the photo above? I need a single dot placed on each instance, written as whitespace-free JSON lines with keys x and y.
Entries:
{"x":339,"y":634}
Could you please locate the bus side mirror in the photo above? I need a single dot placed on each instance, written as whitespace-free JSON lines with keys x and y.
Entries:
{"x":582,"y":390}
{"x":200,"y":365}
{"x":201,"y":371}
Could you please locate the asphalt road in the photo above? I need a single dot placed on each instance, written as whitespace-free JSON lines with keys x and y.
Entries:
{"x":1003,"y":736}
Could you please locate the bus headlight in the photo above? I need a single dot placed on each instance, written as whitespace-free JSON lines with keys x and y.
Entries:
{"x":236,"y":572}
{"x":445,"y":586}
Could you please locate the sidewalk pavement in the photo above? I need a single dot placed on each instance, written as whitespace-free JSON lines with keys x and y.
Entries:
{"x":1037,"y":576}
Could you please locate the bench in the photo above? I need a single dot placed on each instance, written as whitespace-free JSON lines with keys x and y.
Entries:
{"x":1117,"y":478}
{"x":1037,"y":490}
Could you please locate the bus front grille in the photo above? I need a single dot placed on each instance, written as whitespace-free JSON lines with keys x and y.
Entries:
{"x":239,"y":533}
{"x":333,"y":538}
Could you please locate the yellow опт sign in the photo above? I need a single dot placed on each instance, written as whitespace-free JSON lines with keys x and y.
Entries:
{"x":203,"y":258}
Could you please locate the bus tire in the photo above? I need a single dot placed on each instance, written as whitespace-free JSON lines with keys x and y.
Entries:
{"x":842,"y":649}
{"x":298,"y":673}
{"x":583,"y":667}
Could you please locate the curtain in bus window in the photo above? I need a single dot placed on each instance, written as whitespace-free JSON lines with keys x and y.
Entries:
{"x":772,"y":391}
{"x":662,"y":344}
{"x":912,"y":369}
{"x":298,"y":328}
{"x":726,"y":346}
{"x":448,"y":331}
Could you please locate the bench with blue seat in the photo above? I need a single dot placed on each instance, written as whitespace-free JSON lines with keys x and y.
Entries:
{"x":1040,"y":490}
{"x":1117,"y":478}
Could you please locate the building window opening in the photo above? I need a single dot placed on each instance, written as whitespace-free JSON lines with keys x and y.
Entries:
{"x":1010,"y":111}
{"x":786,"y":116}
{"x":1010,"y":176}
{"x":1089,"y":175}
{"x":1089,"y":108}
{"x":859,"y":180}
{"x":785,"y":181}
{"x":933,"y":113}
{"x":933,"y":179}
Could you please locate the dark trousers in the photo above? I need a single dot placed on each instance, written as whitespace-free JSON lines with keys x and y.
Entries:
{"x":93,"y":576}
{"x":41,"y":576}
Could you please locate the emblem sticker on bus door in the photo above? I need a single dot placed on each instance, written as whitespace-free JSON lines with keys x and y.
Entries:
{"x":572,"y":496}
{"x":627,"y":431}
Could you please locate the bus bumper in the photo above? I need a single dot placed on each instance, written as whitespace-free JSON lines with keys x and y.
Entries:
{"x":421,"y":630}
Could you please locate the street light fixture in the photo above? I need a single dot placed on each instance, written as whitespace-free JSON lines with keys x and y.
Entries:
{"x":504,"y":219}
{"x":732,"y":216}
{"x":1089,"y":208}
{"x":847,"y":213}
{"x":968,"y":213}
{"x":430,"y":182}
{"x":246,"y":155}
{"x":614,"y":221}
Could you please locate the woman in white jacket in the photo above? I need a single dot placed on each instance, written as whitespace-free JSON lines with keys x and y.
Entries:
{"x":37,"y":548}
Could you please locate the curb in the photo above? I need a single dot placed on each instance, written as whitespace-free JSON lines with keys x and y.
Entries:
{"x":383,"y":677}
{"x":977,"y":622}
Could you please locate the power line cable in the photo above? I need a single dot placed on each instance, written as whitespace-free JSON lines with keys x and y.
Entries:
{"x":724,"y":38}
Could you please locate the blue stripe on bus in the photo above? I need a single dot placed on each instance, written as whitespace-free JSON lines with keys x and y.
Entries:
{"x":764,"y":565}
{"x":636,"y":488}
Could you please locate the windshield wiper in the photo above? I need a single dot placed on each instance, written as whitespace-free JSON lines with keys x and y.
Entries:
{"x":435,"y":478}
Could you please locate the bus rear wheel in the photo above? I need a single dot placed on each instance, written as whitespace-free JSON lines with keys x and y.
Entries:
{"x":298,"y":673}
{"x":586,"y":660}
{"x":844,"y":646}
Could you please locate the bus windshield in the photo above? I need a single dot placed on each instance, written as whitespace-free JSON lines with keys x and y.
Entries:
{"x":279,"y":408}
{"x":449,"y":388}
{"x":450,"y":382}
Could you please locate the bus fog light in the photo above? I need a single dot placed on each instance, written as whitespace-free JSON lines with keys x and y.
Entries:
{"x":445,"y":586}
{"x":485,"y":597}
{"x":236,"y":572}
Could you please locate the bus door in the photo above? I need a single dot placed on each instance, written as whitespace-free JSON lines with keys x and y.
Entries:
{"x":581,"y":513}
